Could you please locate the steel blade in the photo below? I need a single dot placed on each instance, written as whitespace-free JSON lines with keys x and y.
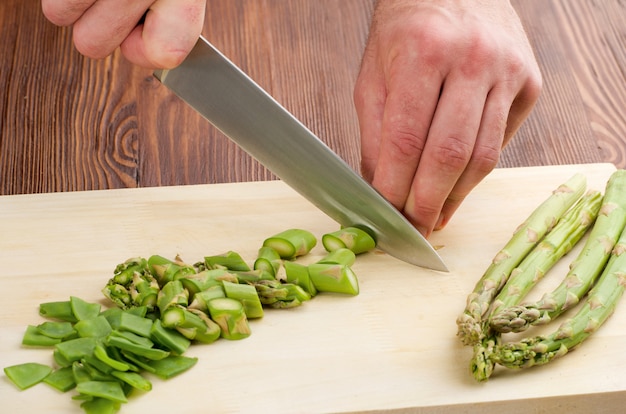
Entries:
{"x":230,"y":100}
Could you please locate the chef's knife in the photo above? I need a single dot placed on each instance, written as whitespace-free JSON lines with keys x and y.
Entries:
{"x":229,"y":99}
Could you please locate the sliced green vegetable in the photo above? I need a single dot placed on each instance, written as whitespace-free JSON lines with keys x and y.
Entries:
{"x":229,"y":314}
{"x":133,"y":379}
{"x":291,"y":243}
{"x":100,"y":406}
{"x":165,"y":270}
{"x":172,"y":294}
{"x":169,"y":338}
{"x":268,"y":260}
{"x":135,"y":324}
{"x":352,"y":238}
{"x":84,"y":310}
{"x":126,"y":345}
{"x":110,"y":390}
{"x":60,"y":330}
{"x":58,"y":310}
{"x":76,"y":349}
{"x":341,"y":255}
{"x":229,"y":260}
{"x":201,"y":299}
{"x":336,"y":278}
{"x":62,"y":379}
{"x":97,"y":327}
{"x":33,"y":337}
{"x":28,"y":374}
{"x":172,"y":365}
{"x":247,"y":295}
{"x":298,"y":274}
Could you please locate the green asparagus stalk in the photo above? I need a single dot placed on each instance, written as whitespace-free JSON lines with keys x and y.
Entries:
{"x":559,"y":241}
{"x":597,"y":308}
{"x":193,"y":324}
{"x":229,"y":314}
{"x":584,"y":270}
{"x":132,"y":285}
{"x":201,"y":299}
{"x":524,"y":239}
{"x":291,"y":243}
{"x":205,"y":279}
{"x":353,"y":238}
{"x":279,"y":295}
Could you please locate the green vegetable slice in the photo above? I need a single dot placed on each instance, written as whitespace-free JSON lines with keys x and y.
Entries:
{"x":110,"y":390}
{"x":28,"y":374}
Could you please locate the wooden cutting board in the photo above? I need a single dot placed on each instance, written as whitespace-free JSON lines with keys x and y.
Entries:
{"x":392,"y":348}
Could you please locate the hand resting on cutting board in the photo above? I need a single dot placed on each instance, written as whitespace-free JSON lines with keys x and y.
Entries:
{"x":443,"y":85}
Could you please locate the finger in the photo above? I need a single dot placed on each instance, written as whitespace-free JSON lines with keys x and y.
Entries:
{"x":406,"y":120}
{"x":369,"y":102}
{"x":64,"y":12}
{"x":485,"y":155}
{"x":523,"y":105}
{"x":105,"y":25}
{"x":449,"y":147}
{"x":170,"y":31}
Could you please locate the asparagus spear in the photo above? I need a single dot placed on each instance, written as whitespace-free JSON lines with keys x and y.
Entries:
{"x":229,"y":314}
{"x":353,"y":238}
{"x":556,"y":243}
{"x":527,"y":235}
{"x":598,"y":307}
{"x":584,"y":270}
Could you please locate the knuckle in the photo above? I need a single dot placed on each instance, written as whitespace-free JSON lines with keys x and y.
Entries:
{"x":406,"y":143}
{"x":452,"y":154}
{"x":485,"y":159}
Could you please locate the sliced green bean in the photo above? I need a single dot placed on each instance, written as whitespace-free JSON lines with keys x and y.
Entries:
{"x":100,"y":406}
{"x":97,"y":327}
{"x":84,"y":310}
{"x":28,"y":374}
{"x":169,"y":338}
{"x":60,"y":329}
{"x":62,"y":379}
{"x":33,"y":337}
{"x":172,"y":365}
{"x":76,"y":349}
{"x":58,"y":310}
{"x":111,"y":390}
{"x":133,"y":379}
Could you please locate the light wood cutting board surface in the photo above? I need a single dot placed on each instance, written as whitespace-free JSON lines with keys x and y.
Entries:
{"x":393,"y":347}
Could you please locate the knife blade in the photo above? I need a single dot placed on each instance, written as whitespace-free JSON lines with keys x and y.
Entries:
{"x":236,"y":105}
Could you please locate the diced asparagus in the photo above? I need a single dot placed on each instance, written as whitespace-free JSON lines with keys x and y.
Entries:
{"x":230,"y":260}
{"x":342,"y":256}
{"x":169,"y":338}
{"x":205,"y":279}
{"x":193,"y":324}
{"x":165,"y":270}
{"x":352,"y":238}
{"x":229,"y":314}
{"x":291,"y":243}
{"x":268,"y":260}
{"x":298,"y":274}
{"x":337,"y":278}
{"x":28,"y":374}
{"x":201,"y":299}
{"x":172,"y":294}
{"x":524,"y":239}
{"x":247,"y":295}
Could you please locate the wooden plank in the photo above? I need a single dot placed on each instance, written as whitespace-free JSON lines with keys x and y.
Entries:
{"x":393,"y":347}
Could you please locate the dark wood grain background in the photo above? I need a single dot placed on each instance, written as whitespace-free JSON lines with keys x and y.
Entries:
{"x":70,"y":123}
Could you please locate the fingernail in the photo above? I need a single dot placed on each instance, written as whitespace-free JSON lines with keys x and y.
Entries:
{"x":441,"y":222}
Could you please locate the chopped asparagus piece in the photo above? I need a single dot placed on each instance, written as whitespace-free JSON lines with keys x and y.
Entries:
{"x":201,"y":299}
{"x":335,"y":278}
{"x":229,"y":260}
{"x":298,"y":274}
{"x":247,"y":295}
{"x":28,"y":374}
{"x":524,"y":239}
{"x":172,"y":294}
{"x":342,"y":256}
{"x":205,"y":279}
{"x":291,"y":243}
{"x":253,"y":276}
{"x":192,"y":324}
{"x":165,"y":270}
{"x":352,"y":238}
{"x":268,"y":260}
{"x":229,"y":314}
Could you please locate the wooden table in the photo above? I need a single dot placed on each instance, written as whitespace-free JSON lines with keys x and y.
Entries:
{"x":69,"y":123}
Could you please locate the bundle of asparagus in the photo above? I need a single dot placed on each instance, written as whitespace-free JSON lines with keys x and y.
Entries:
{"x":495,"y":307}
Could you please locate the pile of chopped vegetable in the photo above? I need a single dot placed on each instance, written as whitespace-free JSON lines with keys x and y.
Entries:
{"x":597,"y":276}
{"x":163,"y":306}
